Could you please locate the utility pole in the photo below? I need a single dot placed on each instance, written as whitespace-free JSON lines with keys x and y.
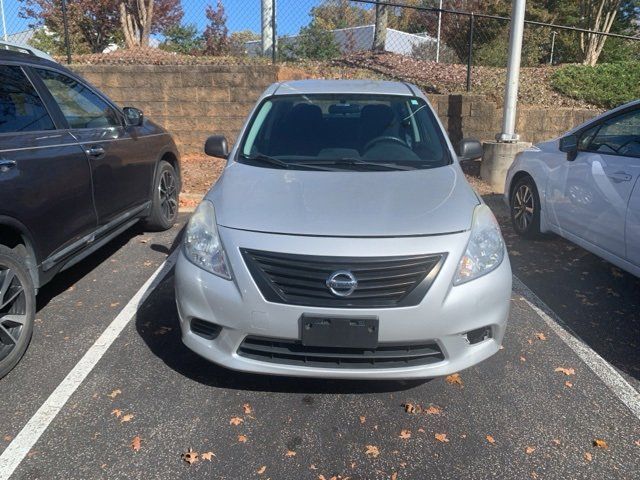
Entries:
{"x":267,"y":27}
{"x":498,"y":156}
{"x":65,"y":24}
{"x":516,"y":32}
{"x":4,"y":21}
{"x":553,"y":46}
{"x":439,"y":28}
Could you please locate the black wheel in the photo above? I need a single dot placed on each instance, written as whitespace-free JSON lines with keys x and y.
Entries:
{"x":17,"y":308}
{"x":525,"y":208}
{"x":164,"y":203}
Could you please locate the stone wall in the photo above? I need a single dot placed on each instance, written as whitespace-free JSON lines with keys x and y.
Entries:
{"x":193,"y":102}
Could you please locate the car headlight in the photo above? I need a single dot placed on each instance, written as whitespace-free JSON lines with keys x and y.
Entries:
{"x":202,"y":244}
{"x":485,"y":250}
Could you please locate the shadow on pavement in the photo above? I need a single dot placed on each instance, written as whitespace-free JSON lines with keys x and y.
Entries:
{"x":597,"y":300}
{"x":157,"y":324}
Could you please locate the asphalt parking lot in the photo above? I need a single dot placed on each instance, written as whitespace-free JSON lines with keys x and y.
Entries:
{"x":513,"y":416}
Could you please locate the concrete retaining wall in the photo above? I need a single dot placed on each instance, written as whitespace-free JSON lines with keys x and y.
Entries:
{"x":193,"y":102}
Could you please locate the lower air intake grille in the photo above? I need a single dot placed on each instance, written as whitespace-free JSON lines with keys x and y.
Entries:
{"x":386,"y":355}
{"x":382,"y":282}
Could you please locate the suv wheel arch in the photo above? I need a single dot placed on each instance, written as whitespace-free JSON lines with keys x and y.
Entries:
{"x":14,"y":235}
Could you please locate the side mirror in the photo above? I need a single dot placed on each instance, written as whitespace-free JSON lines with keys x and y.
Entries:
{"x":569,"y":145}
{"x":133,"y":117}
{"x":469,"y":149}
{"x":216,"y":146}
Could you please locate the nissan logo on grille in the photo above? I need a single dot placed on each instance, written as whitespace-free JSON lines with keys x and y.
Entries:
{"x":342,"y":283}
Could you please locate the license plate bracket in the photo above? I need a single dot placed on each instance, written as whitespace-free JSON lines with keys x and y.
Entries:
{"x":340,"y":332}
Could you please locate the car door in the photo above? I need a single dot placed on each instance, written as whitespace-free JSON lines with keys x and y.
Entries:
{"x":632,"y":230}
{"x":45,"y":178}
{"x":120,"y":165}
{"x":590,"y":193}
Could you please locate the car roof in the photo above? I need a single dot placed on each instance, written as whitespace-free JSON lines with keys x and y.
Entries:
{"x":379,"y":87}
{"x":27,"y":58}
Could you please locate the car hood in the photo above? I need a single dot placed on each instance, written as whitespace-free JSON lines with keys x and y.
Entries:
{"x":345,"y":203}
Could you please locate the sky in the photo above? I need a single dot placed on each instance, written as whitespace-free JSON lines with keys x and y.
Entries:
{"x":241,"y":14}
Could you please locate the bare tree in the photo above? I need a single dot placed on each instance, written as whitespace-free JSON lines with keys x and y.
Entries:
{"x":598,"y":15}
{"x":140,"y":18}
{"x":380,"y":34}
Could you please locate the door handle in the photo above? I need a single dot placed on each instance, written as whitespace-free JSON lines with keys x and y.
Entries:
{"x":6,"y":165}
{"x":618,"y":177}
{"x":95,"y":151}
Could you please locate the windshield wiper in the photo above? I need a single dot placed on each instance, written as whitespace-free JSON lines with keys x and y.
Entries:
{"x":281,"y":163}
{"x":348,"y":161}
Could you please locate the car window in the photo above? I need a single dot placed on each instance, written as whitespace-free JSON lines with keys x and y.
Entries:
{"x":618,"y":136}
{"x":21,"y":109}
{"x":79,"y":104}
{"x":354,"y":131}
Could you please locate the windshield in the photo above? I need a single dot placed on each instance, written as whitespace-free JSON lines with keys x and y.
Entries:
{"x":338,"y":132}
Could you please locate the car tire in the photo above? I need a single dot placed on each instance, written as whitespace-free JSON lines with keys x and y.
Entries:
{"x":524,"y":207}
{"x":164,"y":200}
{"x":17,"y":308}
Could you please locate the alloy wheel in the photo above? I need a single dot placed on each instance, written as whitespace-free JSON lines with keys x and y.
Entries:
{"x":523,"y":207}
{"x":13,"y":310}
{"x":168,"y":195}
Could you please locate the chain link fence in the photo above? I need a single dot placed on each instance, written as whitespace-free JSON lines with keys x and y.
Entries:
{"x":428,"y":36}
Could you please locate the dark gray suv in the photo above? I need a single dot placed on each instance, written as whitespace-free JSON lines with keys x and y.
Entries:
{"x":75,"y":171}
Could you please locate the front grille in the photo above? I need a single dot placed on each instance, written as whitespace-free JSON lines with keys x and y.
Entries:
{"x":292,"y":352}
{"x":383,"y":282}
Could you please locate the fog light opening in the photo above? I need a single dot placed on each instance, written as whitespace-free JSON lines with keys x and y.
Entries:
{"x":205,"y":329}
{"x":478,"y":335}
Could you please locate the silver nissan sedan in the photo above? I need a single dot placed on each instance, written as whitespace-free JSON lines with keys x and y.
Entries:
{"x":343,"y":241}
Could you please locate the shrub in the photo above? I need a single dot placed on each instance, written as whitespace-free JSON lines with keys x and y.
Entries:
{"x":606,"y":85}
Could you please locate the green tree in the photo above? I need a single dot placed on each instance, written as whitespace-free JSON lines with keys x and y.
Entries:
{"x":334,"y":14}
{"x":313,"y":42}
{"x":183,"y":39}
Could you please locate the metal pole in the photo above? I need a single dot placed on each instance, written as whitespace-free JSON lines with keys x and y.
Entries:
{"x":4,"y":21}
{"x":274,"y":38}
{"x":267,"y":26}
{"x":65,"y":24}
{"x":439,"y":27}
{"x":516,"y":31}
{"x":553,"y":46}
{"x":472,"y":22}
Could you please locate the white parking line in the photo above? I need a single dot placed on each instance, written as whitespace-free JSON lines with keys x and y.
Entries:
{"x":603,"y":369}
{"x":31,"y":432}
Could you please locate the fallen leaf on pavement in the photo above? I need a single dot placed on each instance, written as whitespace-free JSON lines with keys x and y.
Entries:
{"x":242,"y":438}
{"x":587,"y":456}
{"x":236,"y":421}
{"x":372,"y":451}
{"x":600,"y":443}
{"x":262,"y":469}
{"x":7,"y":438}
{"x":207,"y":456}
{"x":115,"y":393}
{"x":433,"y":410}
{"x":568,"y":384}
{"x":246,"y":408}
{"x":312,"y":467}
{"x":555,"y":441}
{"x":454,"y":379}
{"x":529,"y":450}
{"x":637,"y":442}
{"x":290,"y":453}
{"x":541,"y":336}
{"x":117,"y":412}
{"x":442,"y":437}
{"x":411,"y":408}
{"x":143,"y":240}
{"x":522,"y":359}
{"x":190,"y":456}
{"x":126,"y":418}
{"x":363,"y":419}
{"x":405,"y":434}
{"x":394,"y":476}
{"x":135,"y":443}
{"x":566,"y":371}
{"x":490,"y":439}
{"x":114,"y":304}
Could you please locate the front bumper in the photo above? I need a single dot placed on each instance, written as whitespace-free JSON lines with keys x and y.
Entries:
{"x":444,"y":314}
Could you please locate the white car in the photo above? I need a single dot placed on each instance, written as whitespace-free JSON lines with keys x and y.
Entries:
{"x":584,"y":187}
